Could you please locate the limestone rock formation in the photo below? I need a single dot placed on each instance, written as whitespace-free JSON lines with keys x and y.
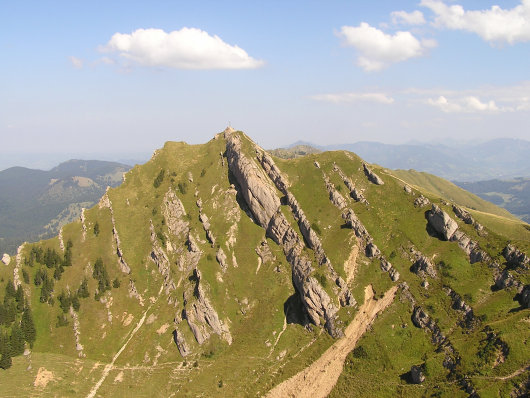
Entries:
{"x":421,"y":201}
{"x":441,"y":222}
{"x":463,"y":215}
{"x":515,"y":257}
{"x":372,"y":177}
{"x":524,"y":297}
{"x":423,"y":266}
{"x":6,"y":259}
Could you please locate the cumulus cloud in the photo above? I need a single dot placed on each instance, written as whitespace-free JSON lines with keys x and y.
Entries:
{"x":408,"y":18}
{"x":377,"y":50}
{"x":469,"y":104}
{"x":495,"y":25}
{"x":76,"y":62}
{"x":187,"y":48}
{"x":353,"y":97}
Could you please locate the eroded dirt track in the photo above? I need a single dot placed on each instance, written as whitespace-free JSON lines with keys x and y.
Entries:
{"x":318,"y":379}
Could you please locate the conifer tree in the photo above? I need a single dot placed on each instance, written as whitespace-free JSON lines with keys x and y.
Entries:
{"x":16,"y":340}
{"x":28,"y":327}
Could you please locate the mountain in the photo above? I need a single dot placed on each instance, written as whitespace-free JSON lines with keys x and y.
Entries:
{"x":34,"y":204}
{"x":218,"y":270}
{"x":495,"y":159}
{"x":512,"y":195}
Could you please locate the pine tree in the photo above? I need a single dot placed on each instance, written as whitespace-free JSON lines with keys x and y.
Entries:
{"x":16,"y":340}
{"x":19,"y":298}
{"x":28,"y":327}
{"x":10,"y":290}
{"x":83,"y":289}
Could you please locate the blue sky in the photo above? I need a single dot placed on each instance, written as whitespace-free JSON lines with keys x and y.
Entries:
{"x":126,"y":76}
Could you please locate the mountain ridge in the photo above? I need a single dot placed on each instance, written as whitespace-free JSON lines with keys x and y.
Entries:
{"x":217,"y":269}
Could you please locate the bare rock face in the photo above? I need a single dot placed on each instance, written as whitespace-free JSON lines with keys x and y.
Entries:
{"x":221,"y":259}
{"x":260,"y":196}
{"x":161,"y":260}
{"x":441,"y":222}
{"x":355,"y":194}
{"x":372,"y":177}
{"x":470,"y":247}
{"x":201,"y":316}
{"x":506,"y":280}
{"x":463,"y":215}
{"x":336,"y":198}
{"x":422,"y":320}
{"x":182,"y":346}
{"x":6,"y":259}
{"x":255,"y":186}
{"x":421,"y":201}
{"x":372,"y":250}
{"x":416,"y":374}
{"x":424,"y":266}
{"x":515,"y":257}
{"x":174,"y":213}
{"x":355,"y":224}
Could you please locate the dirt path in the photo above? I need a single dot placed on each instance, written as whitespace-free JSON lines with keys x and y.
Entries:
{"x":318,"y":379}
{"x":110,"y":366}
{"x":507,"y":377}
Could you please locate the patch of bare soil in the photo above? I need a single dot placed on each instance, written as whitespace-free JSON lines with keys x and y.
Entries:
{"x":43,"y":378}
{"x":318,"y":379}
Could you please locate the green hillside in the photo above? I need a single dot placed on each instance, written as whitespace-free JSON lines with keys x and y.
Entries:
{"x":216,"y":270}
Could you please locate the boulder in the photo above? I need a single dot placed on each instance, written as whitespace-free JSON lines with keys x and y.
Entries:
{"x":6,"y":259}
{"x":440,"y":221}
{"x":407,"y":189}
{"x":524,"y":297}
{"x":372,"y":250}
{"x":416,"y":374}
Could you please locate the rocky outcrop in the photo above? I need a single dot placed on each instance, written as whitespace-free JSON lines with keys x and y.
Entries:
{"x":133,"y":293}
{"x":422,"y":320}
{"x":159,"y":257}
{"x":505,"y":280}
{"x":516,"y":258}
{"x":470,"y":247}
{"x":261,"y":198}
{"x":421,"y":201}
{"x":469,"y":319}
{"x":423,"y":266}
{"x":372,"y":250}
{"x":440,"y":221}
{"x":386,"y":266}
{"x":174,"y":214}
{"x":190,"y":258}
{"x":83,"y":224}
{"x":372,"y":177}
{"x":416,"y":374}
{"x":254,"y":185}
{"x":355,"y":224}
{"x":61,"y":241}
{"x":6,"y":259}
{"x":221,"y":259}
{"x":355,"y":194}
{"x":200,"y":314}
{"x":77,"y":333}
{"x":524,"y":297}
{"x":105,"y":202}
{"x":205,"y":221}
{"x":463,"y":215}
{"x":18,"y":264}
{"x":181,"y":343}
{"x":336,"y":198}
{"x":407,"y":189}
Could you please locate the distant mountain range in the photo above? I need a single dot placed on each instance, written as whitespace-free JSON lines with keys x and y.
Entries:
{"x":34,"y":204}
{"x":495,"y":159}
{"x":513,"y":195}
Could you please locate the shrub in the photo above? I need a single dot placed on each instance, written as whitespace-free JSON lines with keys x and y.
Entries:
{"x":159,"y":178}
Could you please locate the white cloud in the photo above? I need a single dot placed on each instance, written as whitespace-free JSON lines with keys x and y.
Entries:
{"x":377,"y":50}
{"x":187,"y":48}
{"x":408,"y":18}
{"x":469,"y":104}
{"x":495,"y":25}
{"x":353,"y":97}
{"x":76,"y":62}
